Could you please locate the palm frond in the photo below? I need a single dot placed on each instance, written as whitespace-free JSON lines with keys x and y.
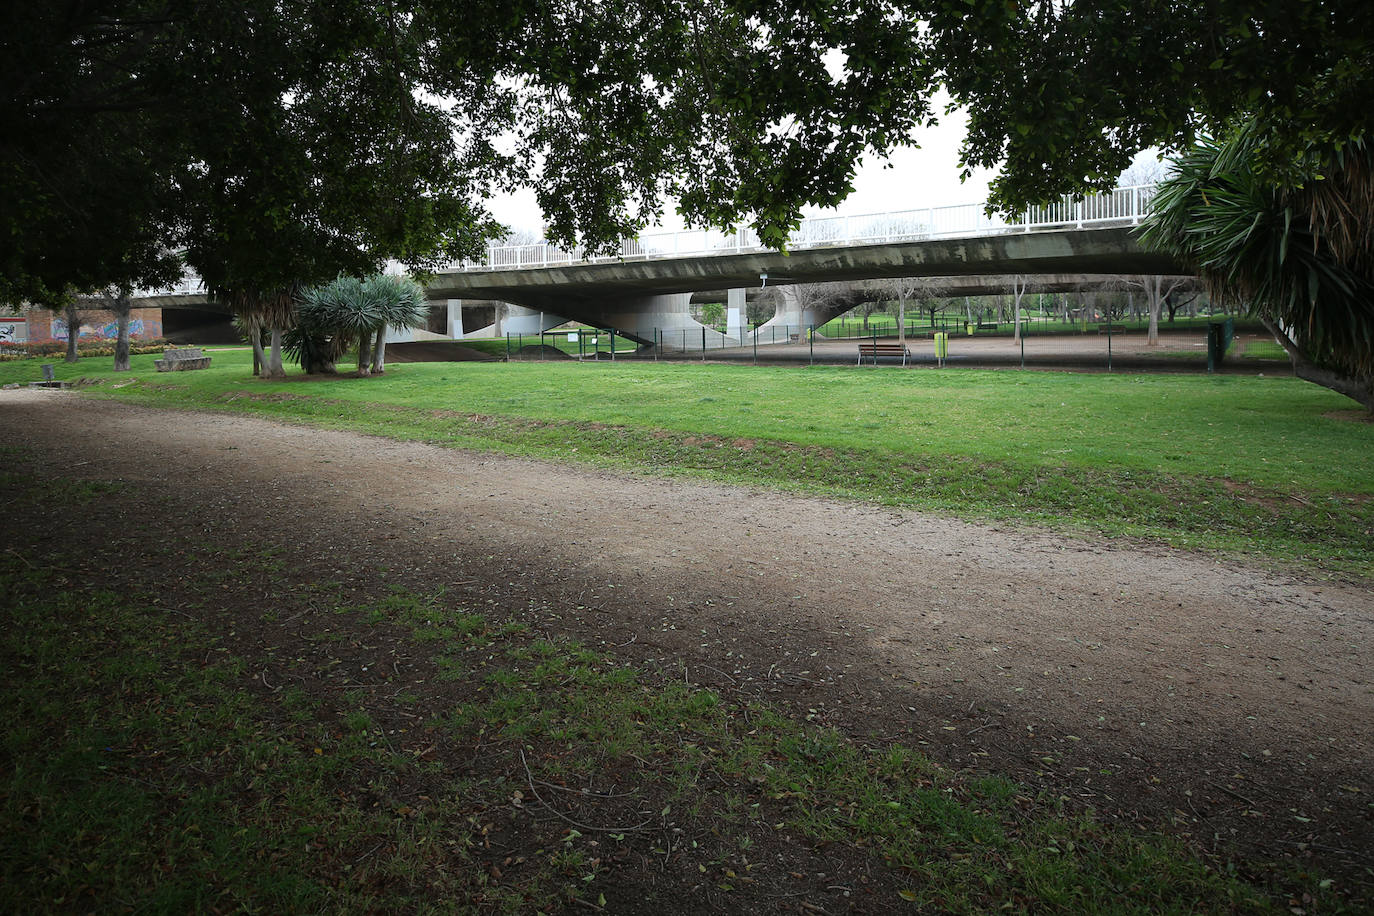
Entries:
{"x":1301,"y":256}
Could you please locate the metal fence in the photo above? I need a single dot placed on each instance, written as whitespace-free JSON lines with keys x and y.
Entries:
{"x":1097,"y":345}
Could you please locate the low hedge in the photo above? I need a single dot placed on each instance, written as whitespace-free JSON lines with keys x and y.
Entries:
{"x":42,"y":349}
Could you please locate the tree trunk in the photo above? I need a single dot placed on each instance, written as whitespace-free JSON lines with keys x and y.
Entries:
{"x":255,"y":341}
{"x":272,"y":365}
{"x":1357,"y":389}
{"x":364,"y":339}
{"x":901,"y":320}
{"x":379,"y":352}
{"x":73,"y":334}
{"x":121,"y":354}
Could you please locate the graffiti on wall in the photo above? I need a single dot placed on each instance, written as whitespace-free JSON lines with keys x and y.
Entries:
{"x":12,"y":331}
{"x":97,"y":332}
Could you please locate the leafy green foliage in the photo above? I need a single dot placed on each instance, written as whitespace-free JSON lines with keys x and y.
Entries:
{"x":1063,"y":94}
{"x":1300,"y":255}
{"x":343,"y":305}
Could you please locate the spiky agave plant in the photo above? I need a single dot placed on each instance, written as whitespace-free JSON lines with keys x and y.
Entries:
{"x":342,"y":311}
{"x":1298,"y":252}
{"x":312,"y":342}
{"x":402,"y":301}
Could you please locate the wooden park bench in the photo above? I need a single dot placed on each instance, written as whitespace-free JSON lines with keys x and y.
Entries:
{"x":875,"y":350}
{"x":987,"y":325}
{"x":181,"y":359}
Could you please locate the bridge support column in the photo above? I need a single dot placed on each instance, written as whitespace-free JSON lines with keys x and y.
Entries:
{"x":455,"y":319}
{"x":736,"y":313}
{"x":795,"y":313}
{"x":666,"y":316}
{"x":530,"y":322}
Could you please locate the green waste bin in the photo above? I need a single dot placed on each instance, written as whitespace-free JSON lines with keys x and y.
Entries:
{"x":1219,"y":337}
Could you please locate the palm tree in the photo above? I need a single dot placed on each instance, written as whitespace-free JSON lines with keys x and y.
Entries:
{"x":1296,"y":250}
{"x":320,"y":339}
{"x":402,"y":304}
{"x":258,"y":311}
{"x":335,"y":315}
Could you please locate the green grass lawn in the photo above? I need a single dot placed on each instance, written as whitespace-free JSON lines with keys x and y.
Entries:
{"x":1230,"y":463}
{"x":1265,"y":349}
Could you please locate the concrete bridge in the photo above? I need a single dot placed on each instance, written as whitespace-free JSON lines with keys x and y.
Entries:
{"x":645,"y":300}
{"x":644,"y":291}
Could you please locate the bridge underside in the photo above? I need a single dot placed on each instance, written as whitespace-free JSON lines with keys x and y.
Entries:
{"x":649,"y":301}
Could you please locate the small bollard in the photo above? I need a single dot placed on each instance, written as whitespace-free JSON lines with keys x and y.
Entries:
{"x":47,"y":373}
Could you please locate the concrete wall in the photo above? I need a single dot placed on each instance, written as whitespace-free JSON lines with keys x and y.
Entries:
{"x":13,"y":329}
{"x":144,"y":324}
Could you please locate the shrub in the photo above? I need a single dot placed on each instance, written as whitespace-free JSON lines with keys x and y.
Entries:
{"x":44,"y":349}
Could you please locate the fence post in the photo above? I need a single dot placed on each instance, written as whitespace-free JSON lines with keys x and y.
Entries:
{"x":756,"y":344}
{"x":703,"y":343}
{"x":811,"y":337}
{"x":507,"y":347}
{"x":1109,"y":341}
{"x":612,"y":344}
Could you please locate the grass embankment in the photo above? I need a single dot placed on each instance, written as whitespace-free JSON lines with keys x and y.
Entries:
{"x":1268,"y":467}
{"x":182,"y":750}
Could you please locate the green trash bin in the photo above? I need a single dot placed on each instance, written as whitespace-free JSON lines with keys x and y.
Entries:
{"x":1219,"y":337}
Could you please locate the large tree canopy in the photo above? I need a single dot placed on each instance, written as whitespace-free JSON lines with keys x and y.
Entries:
{"x":1063,"y":93}
{"x":282,"y":141}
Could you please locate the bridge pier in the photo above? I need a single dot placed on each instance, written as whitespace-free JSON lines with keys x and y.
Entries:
{"x":526,"y":321}
{"x":736,"y":313}
{"x":665,"y":318}
{"x":795,"y":313}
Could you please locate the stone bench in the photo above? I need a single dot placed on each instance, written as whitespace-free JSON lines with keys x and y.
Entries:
{"x":180,"y":359}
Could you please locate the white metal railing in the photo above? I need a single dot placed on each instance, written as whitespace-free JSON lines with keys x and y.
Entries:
{"x":1122,"y":206}
{"x":189,"y":285}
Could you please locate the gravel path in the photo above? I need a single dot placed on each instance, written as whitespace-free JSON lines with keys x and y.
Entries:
{"x":1222,"y":701}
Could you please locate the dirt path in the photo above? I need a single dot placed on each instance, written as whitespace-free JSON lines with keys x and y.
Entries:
{"x":1229,"y":704}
